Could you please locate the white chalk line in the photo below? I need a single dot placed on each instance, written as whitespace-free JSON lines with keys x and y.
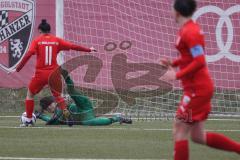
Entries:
{"x":106,"y":128}
{"x":151,"y":119}
{"x":25,"y":158}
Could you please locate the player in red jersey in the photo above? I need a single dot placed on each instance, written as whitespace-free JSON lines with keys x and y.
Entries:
{"x":46,"y":47}
{"x":197,"y":84}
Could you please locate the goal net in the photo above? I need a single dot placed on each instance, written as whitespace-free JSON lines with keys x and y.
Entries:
{"x":131,"y":36}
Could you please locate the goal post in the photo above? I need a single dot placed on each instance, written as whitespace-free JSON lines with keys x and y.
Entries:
{"x":60,"y":26}
{"x":138,"y":33}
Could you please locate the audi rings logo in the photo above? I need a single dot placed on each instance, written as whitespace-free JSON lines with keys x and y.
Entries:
{"x":224,"y":19}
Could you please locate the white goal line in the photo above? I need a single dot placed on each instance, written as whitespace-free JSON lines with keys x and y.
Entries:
{"x":23,"y":158}
{"x":106,"y":128}
{"x":142,"y":119}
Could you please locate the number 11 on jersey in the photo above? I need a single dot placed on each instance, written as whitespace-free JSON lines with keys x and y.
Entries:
{"x":48,"y":55}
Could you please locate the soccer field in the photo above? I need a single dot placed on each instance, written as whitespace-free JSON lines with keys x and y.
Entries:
{"x":144,"y":59}
{"x":141,"y":140}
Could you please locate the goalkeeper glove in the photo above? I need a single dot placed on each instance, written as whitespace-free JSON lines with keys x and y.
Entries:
{"x":66,"y":113}
{"x":68,"y":117}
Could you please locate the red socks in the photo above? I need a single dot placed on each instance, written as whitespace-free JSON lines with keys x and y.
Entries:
{"x":222,"y":142}
{"x":29,"y":104}
{"x":215,"y":140}
{"x":181,"y":151}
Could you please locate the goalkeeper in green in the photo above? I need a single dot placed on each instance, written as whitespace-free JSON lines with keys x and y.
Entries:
{"x":81,"y":111}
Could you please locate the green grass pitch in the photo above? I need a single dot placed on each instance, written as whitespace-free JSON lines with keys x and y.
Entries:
{"x":141,"y":140}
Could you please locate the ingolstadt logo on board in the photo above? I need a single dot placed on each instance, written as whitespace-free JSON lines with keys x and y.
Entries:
{"x":16,"y":29}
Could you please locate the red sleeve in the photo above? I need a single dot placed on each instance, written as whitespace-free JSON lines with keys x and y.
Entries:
{"x":193,"y":38}
{"x":64,"y":45}
{"x":194,"y":66}
{"x":176,"y":62}
{"x":28,"y":55}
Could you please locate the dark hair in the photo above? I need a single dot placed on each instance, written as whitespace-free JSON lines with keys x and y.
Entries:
{"x":44,"y":26}
{"x":46,"y":101}
{"x":185,"y":7}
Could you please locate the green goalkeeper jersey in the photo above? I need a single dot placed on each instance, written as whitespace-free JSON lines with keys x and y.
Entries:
{"x":81,"y":110}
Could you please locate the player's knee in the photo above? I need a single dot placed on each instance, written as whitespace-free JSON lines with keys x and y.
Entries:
{"x":179,"y":134}
{"x":197,"y":139}
{"x":174,"y":132}
{"x":181,"y":131}
{"x":30,"y":95}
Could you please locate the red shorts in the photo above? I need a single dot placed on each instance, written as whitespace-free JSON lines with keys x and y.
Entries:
{"x":43,"y":78}
{"x":194,"y":108}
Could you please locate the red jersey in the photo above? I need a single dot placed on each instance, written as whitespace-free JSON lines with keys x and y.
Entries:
{"x":46,"y":47}
{"x":193,"y":68}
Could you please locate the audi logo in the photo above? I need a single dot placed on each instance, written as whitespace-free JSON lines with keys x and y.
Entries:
{"x":224,"y":19}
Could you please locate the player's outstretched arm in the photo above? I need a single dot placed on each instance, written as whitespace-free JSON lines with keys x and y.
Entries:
{"x":24,"y":61}
{"x":50,"y":120}
{"x":70,"y":84}
{"x":76,"y":95}
{"x":64,"y":45}
{"x":68,"y":81}
{"x":165,"y":62}
{"x":54,"y":120}
{"x":196,"y":49}
{"x":28,"y":55}
{"x":43,"y":116}
{"x":79,"y":48}
{"x":93,"y":49}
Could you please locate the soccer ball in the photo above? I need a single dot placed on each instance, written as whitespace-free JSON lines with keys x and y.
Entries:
{"x":23,"y":118}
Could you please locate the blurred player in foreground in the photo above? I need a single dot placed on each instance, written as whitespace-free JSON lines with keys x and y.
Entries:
{"x":81,"y":110}
{"x":197,"y":84}
{"x":46,"y":47}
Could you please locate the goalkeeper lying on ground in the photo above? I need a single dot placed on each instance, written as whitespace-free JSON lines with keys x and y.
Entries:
{"x":81,"y":111}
